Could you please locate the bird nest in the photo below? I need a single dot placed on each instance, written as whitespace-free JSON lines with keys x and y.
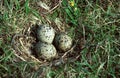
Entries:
{"x":24,"y":42}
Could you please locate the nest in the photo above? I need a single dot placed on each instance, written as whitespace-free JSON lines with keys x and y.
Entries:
{"x":24,"y":42}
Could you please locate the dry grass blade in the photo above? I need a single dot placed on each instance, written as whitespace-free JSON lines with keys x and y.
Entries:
{"x":53,"y":8}
{"x":43,"y":5}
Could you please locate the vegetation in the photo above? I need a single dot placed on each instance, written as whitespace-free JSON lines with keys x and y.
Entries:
{"x":95,"y":24}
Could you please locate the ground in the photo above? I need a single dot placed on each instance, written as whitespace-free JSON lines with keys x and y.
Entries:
{"x":94,"y":26}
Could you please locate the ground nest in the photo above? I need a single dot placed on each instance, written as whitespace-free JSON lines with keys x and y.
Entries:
{"x":24,"y":44}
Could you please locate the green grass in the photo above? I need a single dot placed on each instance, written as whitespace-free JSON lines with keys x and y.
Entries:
{"x":97,"y":23}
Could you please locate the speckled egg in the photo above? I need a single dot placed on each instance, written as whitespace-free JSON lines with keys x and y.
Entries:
{"x":45,"y":33}
{"x":63,"y":41}
{"x":45,"y":50}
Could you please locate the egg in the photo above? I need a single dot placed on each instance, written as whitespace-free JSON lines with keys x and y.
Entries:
{"x":63,"y":42}
{"x":45,"y":50}
{"x":45,"y":33}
